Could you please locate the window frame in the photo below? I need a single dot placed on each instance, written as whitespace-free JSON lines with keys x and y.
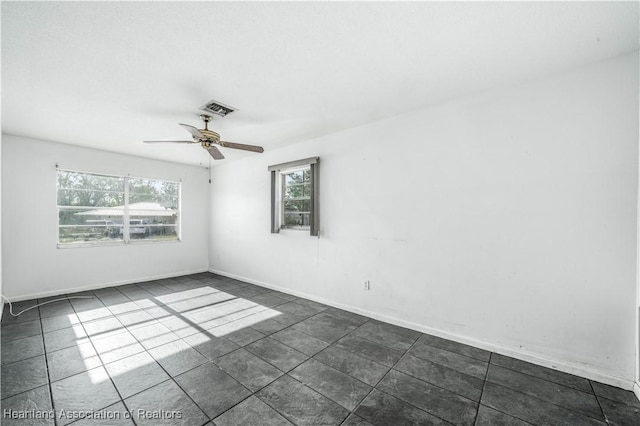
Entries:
{"x":277,"y":172}
{"x":126,"y":216}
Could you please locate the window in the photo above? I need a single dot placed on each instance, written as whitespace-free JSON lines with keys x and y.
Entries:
{"x":101,"y":209}
{"x":294,"y":196}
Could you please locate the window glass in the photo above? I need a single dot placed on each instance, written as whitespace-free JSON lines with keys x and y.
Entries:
{"x":296,"y":198}
{"x":93,"y":208}
{"x":153,"y":209}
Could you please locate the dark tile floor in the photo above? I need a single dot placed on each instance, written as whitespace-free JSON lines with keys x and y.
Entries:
{"x":204,"y":349}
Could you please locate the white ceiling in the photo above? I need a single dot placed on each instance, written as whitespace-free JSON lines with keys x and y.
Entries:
{"x":109,"y":75}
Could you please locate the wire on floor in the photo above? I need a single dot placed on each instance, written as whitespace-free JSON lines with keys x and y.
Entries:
{"x":40,"y":304}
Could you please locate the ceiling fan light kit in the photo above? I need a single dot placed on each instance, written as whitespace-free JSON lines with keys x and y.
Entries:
{"x":208,"y":139}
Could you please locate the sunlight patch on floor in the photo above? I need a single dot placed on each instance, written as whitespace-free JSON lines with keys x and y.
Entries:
{"x":202,"y":301}
{"x":186,"y":294}
{"x":228,"y":314}
{"x":244,"y":322}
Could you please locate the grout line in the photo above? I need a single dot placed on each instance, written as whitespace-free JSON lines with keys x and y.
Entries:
{"x":543,"y":379}
{"x":506,"y":414}
{"x":604,"y":415}
{"x":46,"y":363}
{"x":8,"y":364}
{"x":484,"y":382}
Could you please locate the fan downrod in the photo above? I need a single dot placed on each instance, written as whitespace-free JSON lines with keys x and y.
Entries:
{"x":206,"y":118}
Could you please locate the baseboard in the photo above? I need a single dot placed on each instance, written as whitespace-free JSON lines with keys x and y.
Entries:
{"x":105,"y":285}
{"x":578,"y":370}
{"x":636,"y":389}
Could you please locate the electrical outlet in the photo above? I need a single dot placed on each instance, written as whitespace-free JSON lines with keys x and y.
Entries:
{"x":367,"y":285}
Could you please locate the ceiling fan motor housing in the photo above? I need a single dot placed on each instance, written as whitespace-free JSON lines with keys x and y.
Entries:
{"x":211,"y":137}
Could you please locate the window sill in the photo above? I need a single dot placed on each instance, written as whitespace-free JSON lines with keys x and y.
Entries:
{"x":295,"y":228}
{"x":296,"y":233}
{"x":114,"y":244}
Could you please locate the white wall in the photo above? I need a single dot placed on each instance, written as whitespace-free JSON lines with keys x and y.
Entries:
{"x":2,"y":302}
{"x":506,"y":220}
{"x":34,"y":266}
{"x":636,"y":386}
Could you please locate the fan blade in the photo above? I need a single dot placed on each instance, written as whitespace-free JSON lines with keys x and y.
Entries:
{"x":194,"y":131}
{"x":253,"y":148}
{"x":215,"y":153}
{"x":170,"y":142}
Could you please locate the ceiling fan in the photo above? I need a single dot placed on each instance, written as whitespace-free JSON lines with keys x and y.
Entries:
{"x":208,"y":140}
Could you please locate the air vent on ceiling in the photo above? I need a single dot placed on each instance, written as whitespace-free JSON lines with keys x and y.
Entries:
{"x":218,"y":108}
